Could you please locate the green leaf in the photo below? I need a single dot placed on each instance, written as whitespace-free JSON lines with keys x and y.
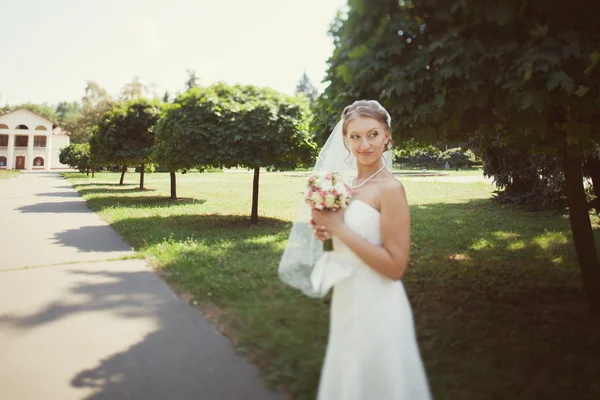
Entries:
{"x":595,"y":60}
{"x":560,"y":79}
{"x":582,"y":90}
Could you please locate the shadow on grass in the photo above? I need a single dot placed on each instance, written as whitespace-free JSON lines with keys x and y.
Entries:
{"x":209,"y":229}
{"x":132,"y":320}
{"x":499,"y":304}
{"x":105,"y":184}
{"x":113,"y":191}
{"x":99,"y":203}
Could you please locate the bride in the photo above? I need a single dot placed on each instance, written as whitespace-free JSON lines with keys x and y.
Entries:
{"x":372,"y":351}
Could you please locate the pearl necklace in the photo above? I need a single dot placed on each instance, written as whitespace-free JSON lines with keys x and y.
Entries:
{"x":368,"y":179}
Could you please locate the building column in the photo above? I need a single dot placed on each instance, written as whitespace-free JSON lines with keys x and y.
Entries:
{"x":10,"y":159}
{"x":29,"y":160}
{"x":48,"y":159}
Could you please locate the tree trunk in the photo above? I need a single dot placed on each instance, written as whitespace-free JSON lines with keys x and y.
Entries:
{"x":583,"y":236}
{"x":93,"y":172}
{"x":143,"y":166}
{"x":88,"y":172}
{"x":173,"y":186}
{"x":254,"y":215}
{"x":123,"y":170}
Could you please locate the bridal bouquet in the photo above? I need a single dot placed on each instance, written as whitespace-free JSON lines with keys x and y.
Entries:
{"x":327,"y":192}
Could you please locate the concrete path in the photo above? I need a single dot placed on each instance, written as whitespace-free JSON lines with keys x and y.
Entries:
{"x":79,"y":327}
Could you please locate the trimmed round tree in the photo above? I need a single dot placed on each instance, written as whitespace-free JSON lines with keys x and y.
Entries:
{"x":125,"y":134}
{"x":76,"y":155}
{"x":263,"y":129}
{"x":188,"y":133}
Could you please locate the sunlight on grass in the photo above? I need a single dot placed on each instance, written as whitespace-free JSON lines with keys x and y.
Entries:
{"x":506,"y":235}
{"x":518,"y":245}
{"x":482,"y":244}
{"x":551,"y":240}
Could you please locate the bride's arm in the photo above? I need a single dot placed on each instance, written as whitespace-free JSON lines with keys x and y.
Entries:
{"x":391,"y":259}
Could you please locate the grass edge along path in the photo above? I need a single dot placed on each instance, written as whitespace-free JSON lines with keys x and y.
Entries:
{"x":9,"y":173}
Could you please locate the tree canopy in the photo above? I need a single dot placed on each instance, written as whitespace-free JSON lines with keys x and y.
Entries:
{"x":234,"y":126}
{"x":521,"y":73}
{"x":41,"y":109}
{"x":125,"y":134}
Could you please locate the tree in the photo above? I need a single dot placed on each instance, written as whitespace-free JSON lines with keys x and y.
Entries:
{"x":125,"y":135}
{"x":535,"y":181}
{"x":306,"y":87}
{"x":67,"y":111}
{"x":187,"y":134}
{"x":524,"y":73}
{"x":41,"y":109}
{"x":458,"y":158}
{"x":423,"y":156}
{"x":192,"y":81}
{"x":94,"y":104}
{"x":234,"y":126}
{"x":133,"y":90}
{"x":76,"y":155}
{"x":264,"y":129}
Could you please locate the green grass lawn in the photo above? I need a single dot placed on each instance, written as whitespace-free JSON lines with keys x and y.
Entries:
{"x":8,"y":173}
{"x":496,"y":292}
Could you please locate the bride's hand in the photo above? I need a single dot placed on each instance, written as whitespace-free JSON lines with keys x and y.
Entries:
{"x":326,"y":223}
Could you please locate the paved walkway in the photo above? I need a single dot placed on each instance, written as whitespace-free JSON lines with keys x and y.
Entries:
{"x":80,"y":327}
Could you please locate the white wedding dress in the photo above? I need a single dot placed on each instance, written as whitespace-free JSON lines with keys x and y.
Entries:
{"x":372,"y":352}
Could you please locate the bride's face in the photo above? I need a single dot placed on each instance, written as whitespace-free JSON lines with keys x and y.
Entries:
{"x":366,"y":138}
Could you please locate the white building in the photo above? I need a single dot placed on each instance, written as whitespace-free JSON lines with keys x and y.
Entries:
{"x":30,"y":141}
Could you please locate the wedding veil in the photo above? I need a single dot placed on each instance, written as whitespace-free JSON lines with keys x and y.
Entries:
{"x":303,"y":250}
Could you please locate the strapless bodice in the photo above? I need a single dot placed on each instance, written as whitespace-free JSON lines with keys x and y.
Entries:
{"x":340,"y":263}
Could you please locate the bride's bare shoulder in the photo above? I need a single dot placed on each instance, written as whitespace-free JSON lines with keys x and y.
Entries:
{"x":392,"y":190}
{"x":392,"y":186}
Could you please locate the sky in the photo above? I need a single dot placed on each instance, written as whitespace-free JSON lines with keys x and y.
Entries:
{"x":51,"y":48}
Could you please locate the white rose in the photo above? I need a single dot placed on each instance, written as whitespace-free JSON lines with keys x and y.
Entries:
{"x":317,"y":198}
{"x":326,"y":185}
{"x":329,"y":200}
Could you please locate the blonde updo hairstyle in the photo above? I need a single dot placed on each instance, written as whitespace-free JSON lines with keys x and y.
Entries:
{"x":368,"y":109}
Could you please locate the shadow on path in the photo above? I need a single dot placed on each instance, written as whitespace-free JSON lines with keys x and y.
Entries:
{"x":91,"y":238}
{"x":180,"y":355}
{"x":59,"y":207}
{"x":58,"y":194}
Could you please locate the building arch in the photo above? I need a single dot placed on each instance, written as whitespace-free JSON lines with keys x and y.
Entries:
{"x":38,"y":162}
{"x":22,"y":127}
{"x":41,"y":128}
{"x":3,"y":126}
